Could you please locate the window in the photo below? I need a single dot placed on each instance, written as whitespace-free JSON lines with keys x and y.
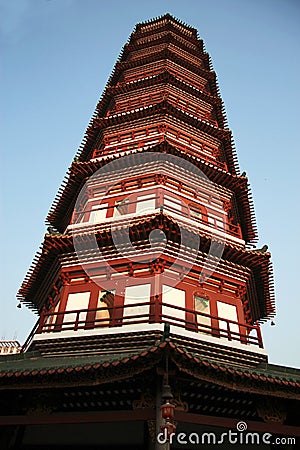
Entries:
{"x":105,"y":301}
{"x":216,"y":222}
{"x":49,"y":324}
{"x":145,"y":203}
{"x":202,"y":307}
{"x":121,"y":207}
{"x":136,"y":295}
{"x":229,"y":312}
{"x":76,"y":302}
{"x":172,"y":204}
{"x":176,"y":298}
{"x":98,"y":213}
{"x":195,"y":212}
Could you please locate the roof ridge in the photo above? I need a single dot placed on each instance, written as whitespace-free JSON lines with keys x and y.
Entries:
{"x":166,"y":16}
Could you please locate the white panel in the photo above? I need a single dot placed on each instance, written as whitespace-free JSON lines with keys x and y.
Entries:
{"x":51,"y":319}
{"x":227,"y":311}
{"x":77,"y":301}
{"x":175,"y":297}
{"x":134,"y":295}
{"x":97,"y":214}
{"x":220,"y":224}
{"x":172,"y":203}
{"x":145,"y":203}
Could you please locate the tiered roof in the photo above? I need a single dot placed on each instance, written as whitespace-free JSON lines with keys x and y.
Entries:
{"x":106,"y":119}
{"x":53,"y":246}
{"x":62,"y":208}
{"x":32,"y":369}
{"x":186,"y":39}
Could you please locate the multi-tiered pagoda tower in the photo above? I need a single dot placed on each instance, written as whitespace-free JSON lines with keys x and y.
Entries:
{"x":147,"y":285}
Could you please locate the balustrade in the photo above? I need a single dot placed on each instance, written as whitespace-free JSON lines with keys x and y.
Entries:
{"x":151,"y":312}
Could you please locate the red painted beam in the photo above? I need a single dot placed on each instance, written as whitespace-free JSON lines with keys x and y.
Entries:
{"x":146,"y":414}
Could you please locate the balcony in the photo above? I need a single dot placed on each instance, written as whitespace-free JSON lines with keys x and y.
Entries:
{"x":184,"y":210}
{"x":139,"y":315}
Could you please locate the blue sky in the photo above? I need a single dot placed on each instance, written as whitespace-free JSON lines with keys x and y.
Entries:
{"x":56,"y":58}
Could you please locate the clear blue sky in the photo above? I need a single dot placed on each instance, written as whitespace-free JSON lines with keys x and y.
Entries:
{"x":56,"y":56}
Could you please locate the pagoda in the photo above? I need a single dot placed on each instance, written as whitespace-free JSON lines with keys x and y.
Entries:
{"x":148,"y":286}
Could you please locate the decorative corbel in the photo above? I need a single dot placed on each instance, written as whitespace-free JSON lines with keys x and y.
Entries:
{"x":272,"y":410}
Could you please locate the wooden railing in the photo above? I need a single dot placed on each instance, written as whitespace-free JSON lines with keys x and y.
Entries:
{"x":150,"y":312}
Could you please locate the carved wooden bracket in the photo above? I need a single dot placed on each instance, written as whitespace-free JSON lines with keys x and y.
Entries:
{"x":65,"y":278}
{"x":145,"y":401}
{"x":272,"y":410}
